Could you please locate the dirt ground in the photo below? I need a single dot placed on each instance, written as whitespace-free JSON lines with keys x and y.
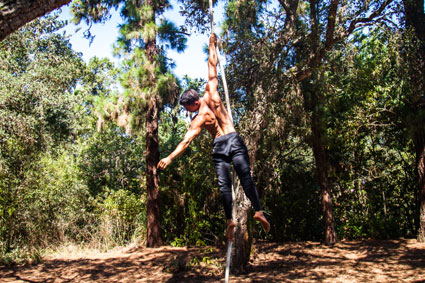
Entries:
{"x":347,"y":261}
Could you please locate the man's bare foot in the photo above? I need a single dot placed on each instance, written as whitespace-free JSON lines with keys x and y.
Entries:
{"x":259,"y":216}
{"x":230,"y":230}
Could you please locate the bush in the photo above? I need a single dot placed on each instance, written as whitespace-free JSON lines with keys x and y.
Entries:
{"x":49,"y":205}
{"x":122,"y":219}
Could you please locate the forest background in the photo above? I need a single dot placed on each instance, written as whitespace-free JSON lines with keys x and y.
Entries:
{"x":329,"y":125}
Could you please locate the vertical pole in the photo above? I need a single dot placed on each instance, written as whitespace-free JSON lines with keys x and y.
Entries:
{"x":220,"y":61}
{"x":229,"y":256}
{"x":211,"y":17}
{"x":229,"y":111}
{"x":223,"y":78}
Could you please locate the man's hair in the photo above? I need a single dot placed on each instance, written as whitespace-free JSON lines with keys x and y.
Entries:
{"x":189,"y":97}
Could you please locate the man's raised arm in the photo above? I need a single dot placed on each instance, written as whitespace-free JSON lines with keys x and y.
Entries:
{"x":212,"y":66}
{"x":194,"y":130}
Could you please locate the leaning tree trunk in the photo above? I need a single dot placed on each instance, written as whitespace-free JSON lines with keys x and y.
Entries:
{"x":154,"y":238}
{"x":415,"y":20}
{"x":14,"y":14}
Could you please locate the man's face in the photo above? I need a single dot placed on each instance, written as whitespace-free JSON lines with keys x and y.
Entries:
{"x":192,"y":107}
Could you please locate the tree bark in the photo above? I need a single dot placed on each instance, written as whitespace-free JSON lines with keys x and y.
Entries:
{"x":312,"y":104}
{"x":15,"y":14}
{"x":241,"y":206}
{"x":415,"y":20}
{"x":417,"y":73}
{"x":243,"y":239}
{"x":321,"y":166}
{"x":419,"y":141}
{"x":154,"y":238}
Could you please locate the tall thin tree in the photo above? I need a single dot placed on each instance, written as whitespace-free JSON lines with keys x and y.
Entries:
{"x":146,"y":80}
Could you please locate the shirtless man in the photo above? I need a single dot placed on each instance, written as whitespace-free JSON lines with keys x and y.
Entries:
{"x":228,"y":145}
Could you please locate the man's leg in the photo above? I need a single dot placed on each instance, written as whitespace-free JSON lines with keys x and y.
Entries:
{"x":222,"y":166}
{"x":240,"y":161}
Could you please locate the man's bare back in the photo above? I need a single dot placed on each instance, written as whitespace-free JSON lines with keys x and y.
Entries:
{"x":211,"y":123}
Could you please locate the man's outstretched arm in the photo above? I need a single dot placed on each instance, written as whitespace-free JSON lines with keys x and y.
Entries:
{"x":194,"y":130}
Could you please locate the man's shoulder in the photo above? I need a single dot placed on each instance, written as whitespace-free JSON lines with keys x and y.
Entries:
{"x":206,"y":97}
{"x":206,"y":111}
{"x":211,"y":96}
{"x":200,"y":117}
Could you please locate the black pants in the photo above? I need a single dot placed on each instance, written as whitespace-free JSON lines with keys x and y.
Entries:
{"x":227,"y":149}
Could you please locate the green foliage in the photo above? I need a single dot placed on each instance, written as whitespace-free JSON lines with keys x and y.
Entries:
{"x":145,"y":77}
{"x":196,"y":15}
{"x":372,"y":158}
{"x":122,"y":217}
{"x":39,"y":71}
{"x":49,"y":207}
{"x":54,"y":164}
{"x":171,"y":36}
{"x":61,"y":180}
{"x":111,"y":160}
{"x":361,"y":106}
{"x":190,"y":200}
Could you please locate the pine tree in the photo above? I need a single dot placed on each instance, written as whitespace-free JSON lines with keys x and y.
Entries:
{"x":147,"y":83}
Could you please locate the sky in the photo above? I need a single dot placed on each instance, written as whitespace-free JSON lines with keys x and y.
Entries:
{"x":192,"y":62}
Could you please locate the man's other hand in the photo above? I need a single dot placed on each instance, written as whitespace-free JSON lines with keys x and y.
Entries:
{"x":164,"y":163}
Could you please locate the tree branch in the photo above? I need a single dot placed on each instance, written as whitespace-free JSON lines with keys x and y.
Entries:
{"x":331,"y":24}
{"x":315,"y":58}
{"x":355,"y":22}
{"x":314,"y":26}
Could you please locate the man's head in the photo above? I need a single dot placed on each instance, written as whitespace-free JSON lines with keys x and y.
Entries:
{"x":190,"y":100}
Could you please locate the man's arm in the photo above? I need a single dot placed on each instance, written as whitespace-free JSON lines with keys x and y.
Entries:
{"x":194,"y":130}
{"x":212,"y":97}
{"x":212,"y":69}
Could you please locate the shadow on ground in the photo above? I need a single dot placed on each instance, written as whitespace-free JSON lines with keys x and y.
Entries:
{"x":355,"y":261}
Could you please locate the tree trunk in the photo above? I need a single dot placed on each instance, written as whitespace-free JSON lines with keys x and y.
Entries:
{"x":415,"y":20}
{"x":154,"y":238}
{"x":417,"y":73}
{"x":415,"y":17}
{"x":243,"y":240}
{"x":420,"y":165}
{"x":312,"y":104}
{"x":320,"y":158}
{"x":15,"y":14}
{"x":241,"y":205}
